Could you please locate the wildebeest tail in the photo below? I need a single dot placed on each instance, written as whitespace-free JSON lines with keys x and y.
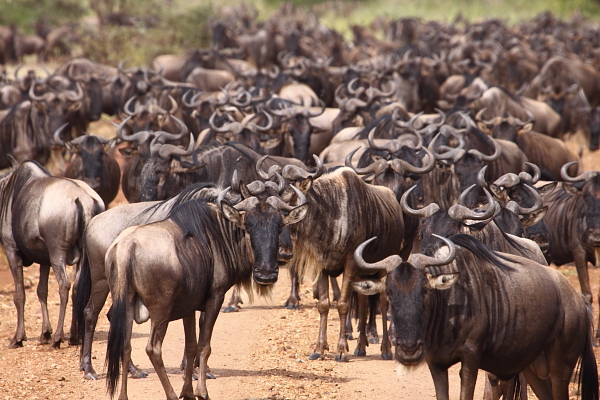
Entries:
{"x":119,"y":279}
{"x":83,"y":291}
{"x":588,"y":374}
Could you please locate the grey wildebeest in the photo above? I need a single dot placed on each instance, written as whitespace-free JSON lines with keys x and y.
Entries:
{"x":92,"y":164}
{"x":573,"y":219}
{"x":532,"y":320}
{"x":169,"y":269}
{"x":42,"y":220}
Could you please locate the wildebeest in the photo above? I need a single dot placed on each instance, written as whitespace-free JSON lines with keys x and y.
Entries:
{"x":354,"y":210}
{"x":533,"y":321}
{"x":91,"y":163}
{"x":42,"y":220}
{"x":169,"y":269}
{"x":573,"y":219}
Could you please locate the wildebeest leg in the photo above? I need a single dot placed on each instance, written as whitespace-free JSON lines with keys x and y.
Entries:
{"x":582,"y":273}
{"x":353,"y":305}
{"x":74,"y":331}
{"x":440,"y":381}
{"x":42,"y":293}
{"x":372,"y":334}
{"x":126,"y":355}
{"x":158,"y":330}
{"x":234,"y":301}
{"x":60,"y":272}
{"x":16,"y":268}
{"x":92,"y":309}
{"x":541,"y":387}
{"x":342,"y":349}
{"x":361,"y":343}
{"x":293,"y":302}
{"x":323,"y":307}
{"x":191,"y":349}
{"x":468,"y":376}
{"x":386,"y":345}
{"x":335,"y":288}
{"x":211,"y":312}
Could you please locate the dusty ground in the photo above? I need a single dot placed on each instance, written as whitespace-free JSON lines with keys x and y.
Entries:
{"x":260,"y":352}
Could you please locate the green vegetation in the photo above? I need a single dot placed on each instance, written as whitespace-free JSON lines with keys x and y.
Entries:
{"x":174,"y":26}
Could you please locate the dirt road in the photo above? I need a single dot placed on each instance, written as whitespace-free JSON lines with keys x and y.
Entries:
{"x":260,"y":352}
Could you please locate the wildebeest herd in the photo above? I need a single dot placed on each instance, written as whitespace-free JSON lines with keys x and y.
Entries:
{"x":427,"y":168}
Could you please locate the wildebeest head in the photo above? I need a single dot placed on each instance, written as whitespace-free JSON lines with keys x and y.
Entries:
{"x":458,"y":219}
{"x":91,"y":150}
{"x":395,"y":165}
{"x":297,"y":124}
{"x":590,"y":193}
{"x":262,"y":214}
{"x":408,"y":286}
{"x":52,"y":109}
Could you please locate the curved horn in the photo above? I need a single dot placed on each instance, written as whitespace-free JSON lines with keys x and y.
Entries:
{"x":459,"y":212}
{"x":183,"y":130}
{"x":125,"y":71}
{"x":493,"y":157}
{"x":536,"y":205}
{"x":57,"y":134}
{"x":583,"y":177}
{"x":362,"y":171}
{"x":222,"y":195}
{"x":139,"y":137}
{"x":424,"y":212}
{"x":536,"y":174}
{"x":255,"y":127}
{"x":293,"y":172}
{"x":399,"y":165}
{"x":479,"y":117}
{"x":168,"y":150}
{"x":389,"y":263}
{"x":277,"y":203}
{"x":75,"y":96}
{"x":421,"y":261}
{"x":481,"y":177}
{"x":32,"y":94}
{"x":127,"y":106}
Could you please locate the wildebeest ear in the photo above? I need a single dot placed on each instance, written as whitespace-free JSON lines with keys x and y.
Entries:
{"x":442,"y":282}
{"x":534,"y":217}
{"x":369,"y":287}
{"x":483,"y":126}
{"x":495,"y":189}
{"x":75,"y":106}
{"x":71,"y":147}
{"x":128,"y":151}
{"x":572,"y":189}
{"x":526,"y":128}
{"x":296,"y":214}
{"x":305,"y":184}
{"x":547,"y":188}
{"x":39,"y":105}
{"x":110,"y":144}
{"x":232,"y":214}
{"x":376,"y":157}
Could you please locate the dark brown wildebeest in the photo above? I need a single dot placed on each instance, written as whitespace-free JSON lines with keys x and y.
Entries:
{"x":199,"y":252}
{"x":91,"y":163}
{"x":573,"y":219}
{"x":324,"y":250}
{"x":42,"y":220}
{"x":548,"y":153}
{"x":26,"y":131}
{"x":532,"y":320}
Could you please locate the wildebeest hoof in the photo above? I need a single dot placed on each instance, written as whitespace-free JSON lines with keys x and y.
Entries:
{"x":45,"y":337}
{"x":386,"y":356}
{"x":210,"y":375}
{"x":360,"y":353}
{"x":231,"y":309}
{"x":14,"y":344}
{"x":139,"y":374}
{"x":374,"y":340}
{"x":341,"y":357}
{"x":56,"y":345}
{"x":90,"y":376}
{"x":73,"y":341}
{"x":314,"y":356}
